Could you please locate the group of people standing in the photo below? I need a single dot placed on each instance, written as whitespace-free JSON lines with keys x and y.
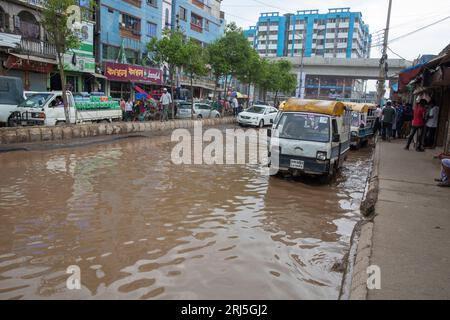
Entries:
{"x":402,"y":121}
{"x":138,"y":110}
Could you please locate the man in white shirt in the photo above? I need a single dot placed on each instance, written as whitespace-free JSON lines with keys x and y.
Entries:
{"x":166,"y":100}
{"x":129,"y":110}
{"x":235,"y":104}
{"x":378,"y":115}
{"x":431,"y":125}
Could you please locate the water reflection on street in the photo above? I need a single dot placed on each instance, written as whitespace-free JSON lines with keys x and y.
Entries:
{"x":141,"y":227}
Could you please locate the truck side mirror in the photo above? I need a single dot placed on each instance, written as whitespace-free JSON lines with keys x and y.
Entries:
{"x":269,"y":132}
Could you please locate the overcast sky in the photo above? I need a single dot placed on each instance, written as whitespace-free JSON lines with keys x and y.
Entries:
{"x":407,"y":16}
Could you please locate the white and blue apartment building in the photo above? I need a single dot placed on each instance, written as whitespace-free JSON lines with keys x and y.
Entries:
{"x":338,"y":33}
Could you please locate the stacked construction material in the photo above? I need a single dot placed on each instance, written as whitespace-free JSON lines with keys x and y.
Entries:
{"x":96,"y":103}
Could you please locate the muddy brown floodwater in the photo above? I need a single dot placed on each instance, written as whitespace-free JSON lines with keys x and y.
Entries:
{"x":140,"y":227}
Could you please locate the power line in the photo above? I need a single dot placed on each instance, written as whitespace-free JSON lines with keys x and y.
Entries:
{"x":269,"y":5}
{"x":413,"y":32}
{"x":252,"y":21}
{"x":420,"y":29}
{"x":424,"y":16}
{"x":395,"y":53}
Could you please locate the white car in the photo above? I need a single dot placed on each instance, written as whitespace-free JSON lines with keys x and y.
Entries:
{"x":201,"y":111}
{"x":258,"y":116}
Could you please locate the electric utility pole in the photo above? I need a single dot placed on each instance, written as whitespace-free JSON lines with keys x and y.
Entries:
{"x":383,"y":61}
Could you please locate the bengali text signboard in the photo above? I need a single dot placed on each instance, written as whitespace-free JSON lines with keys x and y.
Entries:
{"x":127,"y":72}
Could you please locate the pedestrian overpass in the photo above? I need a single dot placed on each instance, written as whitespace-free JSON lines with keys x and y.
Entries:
{"x":364,"y":69}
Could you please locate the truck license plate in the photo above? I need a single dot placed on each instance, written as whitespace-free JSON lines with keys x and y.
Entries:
{"x":297,"y":164}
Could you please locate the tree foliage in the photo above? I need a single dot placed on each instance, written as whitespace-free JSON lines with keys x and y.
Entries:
{"x":168,"y":49}
{"x":57,"y":20}
{"x":194,"y":63}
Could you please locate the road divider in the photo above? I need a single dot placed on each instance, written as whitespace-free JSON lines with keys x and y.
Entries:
{"x":15,"y":135}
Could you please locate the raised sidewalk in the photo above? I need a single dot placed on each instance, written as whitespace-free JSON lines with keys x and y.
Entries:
{"x":411,"y":231}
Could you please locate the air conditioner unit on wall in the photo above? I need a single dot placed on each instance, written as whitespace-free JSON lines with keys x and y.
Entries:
{"x":16,"y":22}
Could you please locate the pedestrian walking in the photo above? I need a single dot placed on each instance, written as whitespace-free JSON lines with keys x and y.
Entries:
{"x":166,"y":100}
{"x":129,"y":110}
{"x":388,"y":120}
{"x":122,"y":107}
{"x":418,"y":125}
{"x":407,"y":119}
{"x":235,"y":105}
{"x":377,"y":126}
{"x":394,"y":123}
{"x":400,"y":110}
{"x":431,"y":125}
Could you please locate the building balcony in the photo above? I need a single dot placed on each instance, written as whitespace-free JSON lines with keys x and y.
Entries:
{"x":136,"y":3}
{"x":198,"y":3}
{"x":37,"y":3}
{"x":36,"y":48}
{"x":196,"y":28}
{"x":130,"y":33}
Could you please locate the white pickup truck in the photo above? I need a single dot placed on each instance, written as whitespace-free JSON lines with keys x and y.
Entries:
{"x":46,"y":108}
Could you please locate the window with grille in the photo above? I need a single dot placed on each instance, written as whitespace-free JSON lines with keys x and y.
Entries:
{"x":151,"y":29}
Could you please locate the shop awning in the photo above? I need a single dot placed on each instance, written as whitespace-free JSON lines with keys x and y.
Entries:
{"x":407,"y":75}
{"x":9,"y":40}
{"x":34,"y":58}
{"x":98,"y":75}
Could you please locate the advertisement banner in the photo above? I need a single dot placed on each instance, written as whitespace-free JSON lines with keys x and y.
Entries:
{"x":127,"y":72}
{"x":82,"y":59}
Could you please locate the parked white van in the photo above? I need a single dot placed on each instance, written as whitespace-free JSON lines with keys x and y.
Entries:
{"x":310,"y":137}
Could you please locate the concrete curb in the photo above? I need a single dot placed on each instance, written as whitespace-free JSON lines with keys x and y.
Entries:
{"x":11,"y":136}
{"x":363,"y":234}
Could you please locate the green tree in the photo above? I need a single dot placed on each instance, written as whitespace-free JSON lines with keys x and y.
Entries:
{"x":265,"y":80}
{"x":216,"y":58}
{"x":169,"y":50}
{"x":194,"y":64}
{"x":284,"y":80}
{"x":56,"y":20}
{"x":251,"y":71}
{"x":276,"y":76}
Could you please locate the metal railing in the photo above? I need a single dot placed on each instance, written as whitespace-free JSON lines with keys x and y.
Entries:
{"x":37,"y":47}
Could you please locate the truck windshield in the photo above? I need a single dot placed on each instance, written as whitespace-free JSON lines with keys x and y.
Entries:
{"x":355,"y":120}
{"x":307,"y":127}
{"x":37,"y":100}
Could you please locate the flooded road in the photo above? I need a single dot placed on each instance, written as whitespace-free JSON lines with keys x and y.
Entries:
{"x":140,"y":227}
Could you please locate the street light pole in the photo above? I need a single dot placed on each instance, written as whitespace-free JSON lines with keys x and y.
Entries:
{"x":383,"y":61}
{"x":300,"y":92}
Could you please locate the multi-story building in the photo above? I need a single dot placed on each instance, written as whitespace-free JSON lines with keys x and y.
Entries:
{"x":129,"y":25}
{"x":113,"y":56}
{"x":26,"y":53}
{"x":22,"y":36}
{"x":339,"y":33}
{"x":203,"y":21}
{"x":125,"y":28}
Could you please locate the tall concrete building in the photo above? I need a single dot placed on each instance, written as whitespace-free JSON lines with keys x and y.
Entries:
{"x":339,"y":33}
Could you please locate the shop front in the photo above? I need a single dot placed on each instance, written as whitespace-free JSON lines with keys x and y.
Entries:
{"x":33,"y":70}
{"x":122,"y":79}
{"x":79,"y":65}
